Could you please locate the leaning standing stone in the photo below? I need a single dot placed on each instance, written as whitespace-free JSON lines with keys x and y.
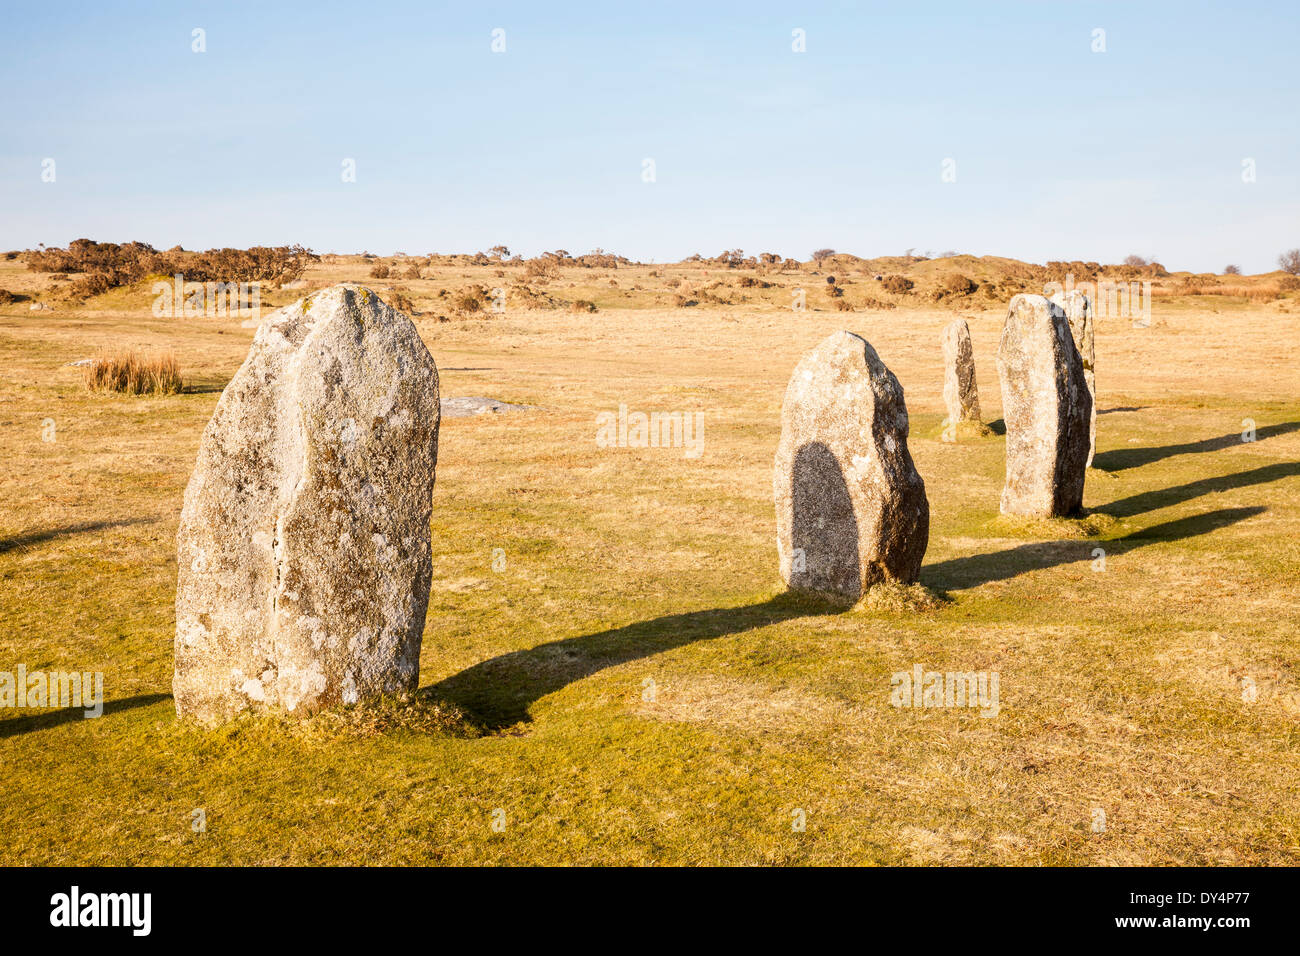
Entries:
{"x":1078,"y":311}
{"x":851,"y":509}
{"x":1046,"y":407}
{"x":304,"y":542}
{"x":960,"y":394}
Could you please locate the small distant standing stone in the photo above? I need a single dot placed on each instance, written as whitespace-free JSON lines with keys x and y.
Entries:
{"x":960,"y":393}
{"x":851,"y":509}
{"x":1046,"y":407}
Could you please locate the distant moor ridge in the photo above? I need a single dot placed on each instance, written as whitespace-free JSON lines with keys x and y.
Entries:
{"x":479,"y":284}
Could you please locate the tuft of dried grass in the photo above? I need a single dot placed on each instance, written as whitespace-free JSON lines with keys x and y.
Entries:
{"x":897,"y":598}
{"x":134,"y":374}
{"x":417,"y":714}
{"x":1083,"y":526}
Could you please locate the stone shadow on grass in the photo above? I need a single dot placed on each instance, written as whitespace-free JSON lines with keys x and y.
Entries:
{"x":29,"y":538}
{"x":1121,"y":459}
{"x":1164,"y":497}
{"x":499,"y":692}
{"x":44,"y":719}
{"x":958,"y":574}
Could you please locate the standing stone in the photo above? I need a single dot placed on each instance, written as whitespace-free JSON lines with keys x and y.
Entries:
{"x":1046,"y":407}
{"x":960,"y":394}
{"x":1078,"y":311}
{"x":851,"y":509}
{"x":304,"y":542}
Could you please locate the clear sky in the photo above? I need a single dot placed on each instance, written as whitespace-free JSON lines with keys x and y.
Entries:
{"x":1059,"y":152}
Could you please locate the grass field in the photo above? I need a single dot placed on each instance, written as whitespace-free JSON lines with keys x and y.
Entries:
{"x":631,"y":686}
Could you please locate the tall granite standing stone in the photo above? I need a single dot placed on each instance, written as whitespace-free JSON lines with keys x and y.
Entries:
{"x":1078,"y":310}
{"x":960,"y":393}
{"x":304,"y":543}
{"x":851,"y":509}
{"x":1046,"y":407}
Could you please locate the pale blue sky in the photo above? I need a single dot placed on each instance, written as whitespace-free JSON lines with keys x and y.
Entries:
{"x":1060,"y":152}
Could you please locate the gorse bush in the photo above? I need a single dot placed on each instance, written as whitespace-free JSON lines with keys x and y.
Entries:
{"x":107,"y":265}
{"x":897,"y":284}
{"x":91,"y":284}
{"x":400,"y":301}
{"x":120,"y":264}
{"x":959,"y":284}
{"x":133,"y":374}
{"x":543,"y":267}
{"x":278,"y":264}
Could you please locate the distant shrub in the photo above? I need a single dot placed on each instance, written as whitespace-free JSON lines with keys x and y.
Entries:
{"x":467,"y":302}
{"x":278,"y":264}
{"x":379,"y":272}
{"x":1289,"y":261}
{"x":400,"y":301}
{"x":897,"y":284}
{"x":582,"y":305}
{"x":1077,"y":269}
{"x":819,"y":254}
{"x":1289,"y":284}
{"x":132,"y":374}
{"x":1136,"y":260}
{"x":959,"y":284}
{"x":1194,"y":285}
{"x":117,"y":265}
{"x":1231,"y":270}
{"x":684,"y":301}
{"x":413,"y":272}
{"x":844,"y":305}
{"x":543,"y":267}
{"x":92,"y":284}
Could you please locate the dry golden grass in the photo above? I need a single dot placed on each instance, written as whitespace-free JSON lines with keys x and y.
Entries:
{"x":1122,"y":687}
{"x":135,"y":374}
